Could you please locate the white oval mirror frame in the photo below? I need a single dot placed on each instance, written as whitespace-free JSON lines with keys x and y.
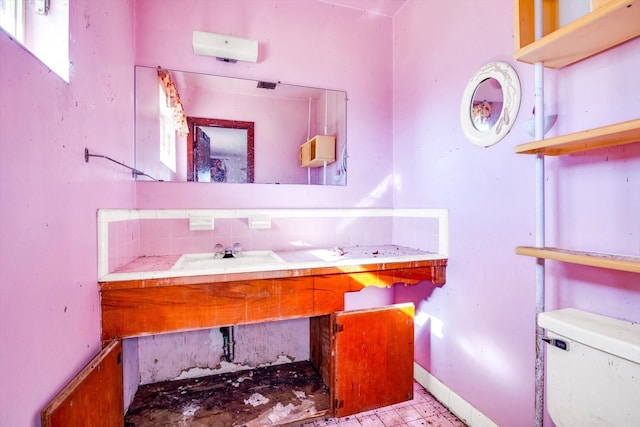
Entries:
{"x":508,"y":79}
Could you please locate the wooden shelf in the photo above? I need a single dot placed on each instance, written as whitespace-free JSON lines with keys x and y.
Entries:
{"x":318,"y":151}
{"x":609,"y":25}
{"x":592,"y":139}
{"x":593,"y":259}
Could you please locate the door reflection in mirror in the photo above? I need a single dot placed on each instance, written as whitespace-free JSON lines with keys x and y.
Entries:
{"x":220,"y":150}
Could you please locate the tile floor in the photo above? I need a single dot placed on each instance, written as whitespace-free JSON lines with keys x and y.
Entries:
{"x":423,"y":410}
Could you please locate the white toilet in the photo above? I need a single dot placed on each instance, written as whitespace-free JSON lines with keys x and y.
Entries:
{"x":593,"y":369}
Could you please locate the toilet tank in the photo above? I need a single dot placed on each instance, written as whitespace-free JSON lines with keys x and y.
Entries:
{"x":593,"y":369}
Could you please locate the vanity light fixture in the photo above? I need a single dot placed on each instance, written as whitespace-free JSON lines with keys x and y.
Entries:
{"x":225,"y":48}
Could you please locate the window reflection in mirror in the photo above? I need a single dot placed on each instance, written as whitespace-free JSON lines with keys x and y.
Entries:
{"x":283,"y":119}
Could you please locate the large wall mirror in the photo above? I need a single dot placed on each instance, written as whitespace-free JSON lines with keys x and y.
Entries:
{"x":235,"y":130}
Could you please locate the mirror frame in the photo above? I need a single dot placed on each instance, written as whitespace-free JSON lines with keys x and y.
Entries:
{"x":511,"y":94}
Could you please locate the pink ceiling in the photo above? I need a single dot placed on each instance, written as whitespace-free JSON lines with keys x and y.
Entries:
{"x":380,"y":7}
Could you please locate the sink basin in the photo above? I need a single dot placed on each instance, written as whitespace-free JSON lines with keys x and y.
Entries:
{"x":249,"y":261}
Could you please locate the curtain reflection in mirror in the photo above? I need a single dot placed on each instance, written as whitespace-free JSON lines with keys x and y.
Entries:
{"x":173,"y":102}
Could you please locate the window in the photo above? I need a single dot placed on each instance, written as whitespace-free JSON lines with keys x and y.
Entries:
{"x":12,"y":18}
{"x":167,"y":132}
{"x":42,"y":27}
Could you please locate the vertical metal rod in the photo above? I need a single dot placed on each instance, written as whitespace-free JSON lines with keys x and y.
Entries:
{"x":309,"y":121}
{"x":326,"y":111}
{"x":324,"y":172}
{"x":540,"y":220}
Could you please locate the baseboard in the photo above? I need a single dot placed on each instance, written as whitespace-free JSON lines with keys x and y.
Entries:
{"x":456,"y":404}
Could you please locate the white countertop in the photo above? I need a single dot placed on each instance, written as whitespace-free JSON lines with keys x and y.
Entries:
{"x":158,"y":267}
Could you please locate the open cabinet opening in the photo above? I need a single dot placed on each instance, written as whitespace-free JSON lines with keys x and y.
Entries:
{"x":359,"y":360}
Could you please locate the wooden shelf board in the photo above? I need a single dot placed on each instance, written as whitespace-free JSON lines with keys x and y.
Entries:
{"x":317,"y":163}
{"x":606,"y":136}
{"x":593,"y":259}
{"x":601,"y":29}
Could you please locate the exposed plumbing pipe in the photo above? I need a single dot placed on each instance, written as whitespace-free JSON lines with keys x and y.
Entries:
{"x":228,"y":343}
{"x":540,"y":219}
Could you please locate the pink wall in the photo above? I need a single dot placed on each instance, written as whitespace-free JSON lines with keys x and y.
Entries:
{"x":487,"y":307}
{"x":49,"y":196}
{"x":49,"y":307}
{"x":305,"y":43}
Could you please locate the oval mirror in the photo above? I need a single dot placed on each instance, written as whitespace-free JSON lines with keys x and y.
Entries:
{"x":490,"y":103}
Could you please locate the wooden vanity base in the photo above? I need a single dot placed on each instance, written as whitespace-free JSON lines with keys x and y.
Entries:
{"x":360,"y":359}
{"x":295,"y":392}
{"x":152,"y":306}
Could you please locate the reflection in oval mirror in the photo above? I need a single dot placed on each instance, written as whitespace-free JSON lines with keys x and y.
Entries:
{"x":486,"y":106}
{"x":278,"y":119}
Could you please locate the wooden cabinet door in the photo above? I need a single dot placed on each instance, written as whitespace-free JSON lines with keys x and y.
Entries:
{"x":94,"y":397}
{"x":373,"y":358}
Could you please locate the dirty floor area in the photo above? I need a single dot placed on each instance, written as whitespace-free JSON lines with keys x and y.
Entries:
{"x":281,"y":395}
{"x":273,"y":395}
{"x":422,"y":411}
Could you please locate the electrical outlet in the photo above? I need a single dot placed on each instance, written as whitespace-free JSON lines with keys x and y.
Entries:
{"x":201,"y":222}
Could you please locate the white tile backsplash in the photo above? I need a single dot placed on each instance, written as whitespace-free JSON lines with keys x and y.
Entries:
{"x":166,"y":231}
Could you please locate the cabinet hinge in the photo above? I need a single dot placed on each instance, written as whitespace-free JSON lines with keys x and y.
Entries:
{"x":337,"y":328}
